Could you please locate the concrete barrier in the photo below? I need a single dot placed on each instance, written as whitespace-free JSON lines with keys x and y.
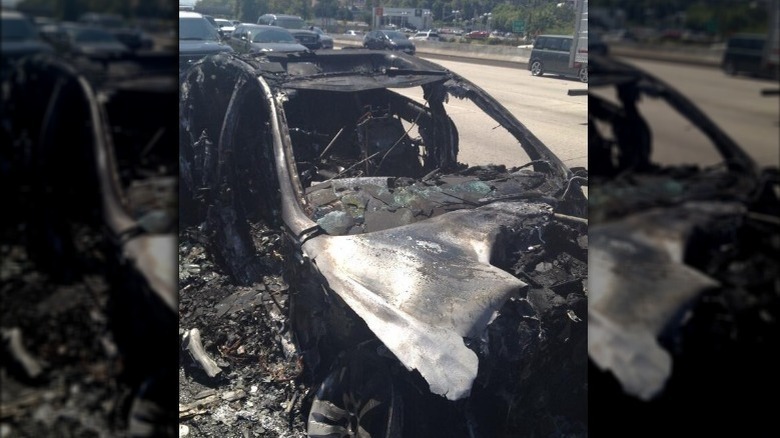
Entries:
{"x":695,"y":56}
{"x":472,"y":51}
{"x":475,"y":51}
{"x":710,"y":57}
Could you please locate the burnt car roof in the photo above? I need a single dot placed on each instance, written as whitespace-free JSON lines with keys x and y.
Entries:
{"x":364,"y":69}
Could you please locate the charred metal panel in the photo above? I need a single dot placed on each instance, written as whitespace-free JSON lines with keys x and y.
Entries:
{"x":423,"y":287}
{"x":155,"y":258}
{"x":641,"y":286}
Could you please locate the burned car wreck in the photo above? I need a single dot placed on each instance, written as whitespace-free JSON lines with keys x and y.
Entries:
{"x":684,"y":291}
{"x":428,"y":297}
{"x":96,"y":174}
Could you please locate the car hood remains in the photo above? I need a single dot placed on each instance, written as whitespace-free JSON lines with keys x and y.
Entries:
{"x":440,"y":289}
{"x":641,"y":286}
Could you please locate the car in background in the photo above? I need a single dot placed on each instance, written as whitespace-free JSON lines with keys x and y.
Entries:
{"x":477,"y":35}
{"x":297,"y":27}
{"x":428,"y":296}
{"x":20,"y":38}
{"x":388,"y":40}
{"x":253,"y":38}
{"x":325,"y":39}
{"x":746,"y":54}
{"x":77,"y":39}
{"x":428,"y":35}
{"x":211,"y":20}
{"x":134,"y":39}
{"x":42,"y":21}
{"x":551,"y":53}
{"x":282,"y":20}
{"x":226,"y":27}
{"x":197,"y":38}
{"x":351,"y":32}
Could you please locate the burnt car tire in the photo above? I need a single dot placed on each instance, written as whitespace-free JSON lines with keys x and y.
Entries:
{"x":582,"y":75}
{"x":537,"y":68}
{"x":357,"y":399}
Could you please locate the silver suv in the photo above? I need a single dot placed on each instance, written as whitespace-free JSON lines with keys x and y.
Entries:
{"x":297,"y":27}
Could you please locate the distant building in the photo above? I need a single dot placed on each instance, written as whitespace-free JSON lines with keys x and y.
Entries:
{"x":416,"y":18}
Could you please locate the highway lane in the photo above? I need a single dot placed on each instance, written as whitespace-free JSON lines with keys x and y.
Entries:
{"x":540,"y":103}
{"x":735,"y":104}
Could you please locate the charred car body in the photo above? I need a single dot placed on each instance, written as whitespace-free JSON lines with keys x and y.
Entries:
{"x":429,"y":297}
{"x":683,"y":267}
{"x":94,"y":160}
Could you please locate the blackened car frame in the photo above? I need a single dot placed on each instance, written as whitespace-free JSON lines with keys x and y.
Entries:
{"x":683,"y":265}
{"x":428,"y":297}
{"x":94,"y":157}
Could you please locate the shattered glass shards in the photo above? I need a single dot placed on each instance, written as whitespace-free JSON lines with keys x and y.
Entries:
{"x":357,"y":205}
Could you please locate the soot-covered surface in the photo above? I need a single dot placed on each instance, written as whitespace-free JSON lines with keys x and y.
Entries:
{"x":263,"y":388}
{"x":244,"y":329}
{"x":79,"y":389}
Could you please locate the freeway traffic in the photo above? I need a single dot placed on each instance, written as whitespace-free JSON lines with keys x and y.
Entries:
{"x":541,"y":103}
{"x":734,"y":103}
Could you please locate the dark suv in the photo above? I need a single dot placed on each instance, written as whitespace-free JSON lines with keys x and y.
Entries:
{"x":197,"y":38}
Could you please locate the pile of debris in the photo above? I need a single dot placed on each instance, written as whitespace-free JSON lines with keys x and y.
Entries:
{"x":238,"y":368}
{"x":61,"y":373}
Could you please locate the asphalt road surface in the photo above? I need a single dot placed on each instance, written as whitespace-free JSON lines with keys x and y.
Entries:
{"x":735,"y":104}
{"x":540,"y":103}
